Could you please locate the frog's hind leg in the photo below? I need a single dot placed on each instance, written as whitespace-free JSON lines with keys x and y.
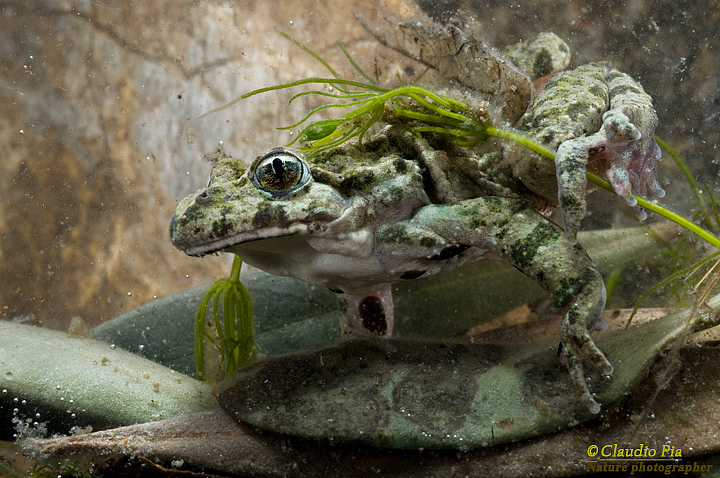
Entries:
{"x":509,"y":228}
{"x":571,"y":168}
{"x":576,"y":341}
{"x":369,"y":314}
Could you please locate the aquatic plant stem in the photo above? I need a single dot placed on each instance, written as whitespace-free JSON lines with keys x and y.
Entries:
{"x":235,"y":332}
{"x":676,"y":218}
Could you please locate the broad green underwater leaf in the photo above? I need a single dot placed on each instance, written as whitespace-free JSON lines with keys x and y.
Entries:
{"x":75,"y":381}
{"x":400,"y":393}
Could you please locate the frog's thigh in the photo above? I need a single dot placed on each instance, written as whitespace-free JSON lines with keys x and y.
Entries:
{"x":509,"y":227}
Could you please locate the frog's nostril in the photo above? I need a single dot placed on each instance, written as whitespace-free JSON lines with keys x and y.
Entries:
{"x":202,"y":198}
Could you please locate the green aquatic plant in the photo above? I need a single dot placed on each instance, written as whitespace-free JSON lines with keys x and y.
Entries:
{"x":676,"y":262}
{"x":234,"y":335}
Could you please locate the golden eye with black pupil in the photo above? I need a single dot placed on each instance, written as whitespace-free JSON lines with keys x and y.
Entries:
{"x":280,"y":172}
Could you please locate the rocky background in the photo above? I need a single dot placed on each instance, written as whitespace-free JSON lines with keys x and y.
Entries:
{"x":98,"y":101}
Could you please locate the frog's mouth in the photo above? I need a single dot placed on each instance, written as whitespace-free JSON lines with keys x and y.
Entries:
{"x":196,"y":249}
{"x":326,"y":223}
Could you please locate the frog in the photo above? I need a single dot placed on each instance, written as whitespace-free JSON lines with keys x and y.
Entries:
{"x":600,"y":119}
{"x":402,"y":205}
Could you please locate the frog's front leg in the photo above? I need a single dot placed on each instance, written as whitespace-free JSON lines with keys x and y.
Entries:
{"x":536,"y":246}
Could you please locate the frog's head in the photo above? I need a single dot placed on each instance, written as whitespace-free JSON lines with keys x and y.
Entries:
{"x":275,"y":197}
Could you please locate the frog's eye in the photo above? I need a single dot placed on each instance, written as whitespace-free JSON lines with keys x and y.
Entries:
{"x":280,"y":172}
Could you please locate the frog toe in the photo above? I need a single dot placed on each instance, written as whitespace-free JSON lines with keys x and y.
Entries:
{"x":640,"y":213}
{"x":619,"y":178}
{"x":576,"y":343}
{"x":649,"y":177}
{"x":572,"y":359}
{"x":618,"y":127}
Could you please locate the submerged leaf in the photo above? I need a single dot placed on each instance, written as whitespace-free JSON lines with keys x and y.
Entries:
{"x":408,"y":394}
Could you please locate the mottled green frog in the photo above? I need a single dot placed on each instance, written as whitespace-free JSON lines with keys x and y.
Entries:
{"x":402,"y":205}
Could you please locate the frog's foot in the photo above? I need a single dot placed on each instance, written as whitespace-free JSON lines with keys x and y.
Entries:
{"x":629,"y":157}
{"x":368,"y":314}
{"x":576,"y":342}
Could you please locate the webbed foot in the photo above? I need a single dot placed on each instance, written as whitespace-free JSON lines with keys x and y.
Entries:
{"x":576,"y":342}
{"x":629,"y":156}
{"x":629,"y":167}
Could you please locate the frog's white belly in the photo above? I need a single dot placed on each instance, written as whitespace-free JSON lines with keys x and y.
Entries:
{"x":339,"y":264}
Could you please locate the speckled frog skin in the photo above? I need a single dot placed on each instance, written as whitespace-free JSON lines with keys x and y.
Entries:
{"x":358,"y":219}
{"x":598,"y":119}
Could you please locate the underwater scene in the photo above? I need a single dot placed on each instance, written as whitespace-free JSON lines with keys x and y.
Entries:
{"x":400,"y":238}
